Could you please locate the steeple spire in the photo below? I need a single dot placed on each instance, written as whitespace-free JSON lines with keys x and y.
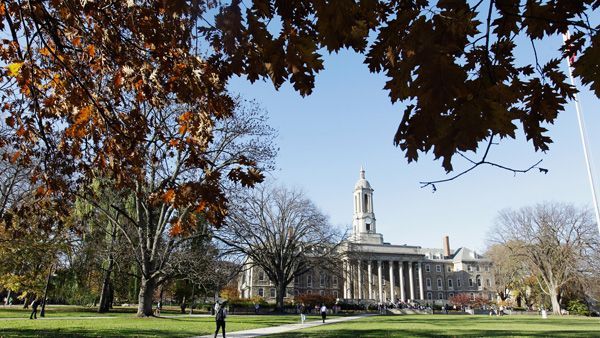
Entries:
{"x":362,"y":172}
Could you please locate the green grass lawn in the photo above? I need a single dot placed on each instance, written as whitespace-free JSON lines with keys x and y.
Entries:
{"x":17,"y":311}
{"x":456,"y":326}
{"x":71,"y":322}
{"x":127,"y":325}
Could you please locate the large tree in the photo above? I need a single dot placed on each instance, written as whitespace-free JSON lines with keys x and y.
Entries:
{"x":556,"y":242}
{"x":169,"y":206}
{"x":282,"y":232}
{"x":509,"y":271}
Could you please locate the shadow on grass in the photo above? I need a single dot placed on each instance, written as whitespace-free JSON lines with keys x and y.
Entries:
{"x":349,"y":333}
{"x":121,"y":332}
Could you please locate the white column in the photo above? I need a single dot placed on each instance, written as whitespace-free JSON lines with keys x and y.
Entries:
{"x":360,"y":291}
{"x":370,"y":279}
{"x":401,"y":276}
{"x":345,"y":276}
{"x":421,"y":293}
{"x":392,"y":294}
{"x":251,"y":280}
{"x":380,"y":279}
{"x":411,"y":282}
{"x":353,"y":278}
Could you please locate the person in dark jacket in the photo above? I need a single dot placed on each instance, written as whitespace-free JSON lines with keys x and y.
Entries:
{"x":34,"y":307}
{"x":220,"y":315}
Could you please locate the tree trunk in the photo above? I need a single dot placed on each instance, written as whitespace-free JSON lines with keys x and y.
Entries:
{"x":281,"y":289}
{"x":555,"y":303}
{"x":147,"y":288}
{"x":105,"y":299}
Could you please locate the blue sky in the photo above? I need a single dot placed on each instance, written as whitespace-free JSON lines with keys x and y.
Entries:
{"x":349,"y":121}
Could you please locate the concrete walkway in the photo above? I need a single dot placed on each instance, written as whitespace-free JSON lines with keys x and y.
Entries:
{"x":283,"y":328}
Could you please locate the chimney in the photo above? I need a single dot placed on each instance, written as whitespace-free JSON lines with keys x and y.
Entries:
{"x":446,"y":246}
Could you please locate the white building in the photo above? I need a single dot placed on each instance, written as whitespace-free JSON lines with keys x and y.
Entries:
{"x":375,"y":271}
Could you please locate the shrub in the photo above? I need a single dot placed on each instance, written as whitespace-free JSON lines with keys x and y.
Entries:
{"x":577,"y":307}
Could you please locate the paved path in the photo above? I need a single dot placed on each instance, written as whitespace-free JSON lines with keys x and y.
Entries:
{"x":283,"y":328}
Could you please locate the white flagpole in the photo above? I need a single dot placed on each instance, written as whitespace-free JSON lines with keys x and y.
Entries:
{"x":583,"y":135}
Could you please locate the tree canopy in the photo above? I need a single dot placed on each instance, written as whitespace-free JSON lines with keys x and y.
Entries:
{"x":453,"y":62}
{"x":80,"y":74}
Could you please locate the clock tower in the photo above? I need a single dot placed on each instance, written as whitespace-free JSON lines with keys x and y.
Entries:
{"x":364,"y":228}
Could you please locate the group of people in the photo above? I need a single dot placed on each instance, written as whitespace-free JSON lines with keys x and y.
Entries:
{"x":303,"y":310}
{"x":220,"y":310}
{"x":8,"y":301}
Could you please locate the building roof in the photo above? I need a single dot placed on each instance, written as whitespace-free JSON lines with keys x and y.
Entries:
{"x":362,"y":182}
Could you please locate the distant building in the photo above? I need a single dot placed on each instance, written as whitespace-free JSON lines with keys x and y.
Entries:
{"x":374,"y":271}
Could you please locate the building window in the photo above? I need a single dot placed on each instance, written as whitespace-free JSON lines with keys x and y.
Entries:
{"x":335,"y":281}
{"x":458,"y":282}
{"x":309,"y":281}
{"x":470,"y":268}
{"x":428,"y":283}
{"x":261,"y":276}
{"x":478,"y":281}
{"x":335,"y":293}
{"x":449,"y":268}
{"x":429,"y":295}
{"x":450,"y":283}
{"x":438,"y":268}
{"x":297,"y":280}
{"x":261,"y":292}
{"x":427,"y":268}
{"x":488,"y":282}
{"x":440,"y":295}
{"x":439,"y":283}
{"x":322,"y":279}
{"x":477,"y":268}
{"x":451,"y":294}
{"x":322,"y":293}
{"x":470,"y":281}
{"x":296,"y":292}
{"x":309,"y":292}
{"x":272,"y":293}
{"x":472,"y":295}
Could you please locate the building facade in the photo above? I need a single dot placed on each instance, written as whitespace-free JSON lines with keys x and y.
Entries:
{"x":373,"y":271}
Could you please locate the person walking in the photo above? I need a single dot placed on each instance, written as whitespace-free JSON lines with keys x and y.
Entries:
{"x":302,"y":313}
{"x":34,"y":306}
{"x":323,"y":312}
{"x":220,"y":315}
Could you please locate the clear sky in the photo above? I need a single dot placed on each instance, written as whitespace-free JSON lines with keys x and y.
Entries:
{"x":349,"y":121}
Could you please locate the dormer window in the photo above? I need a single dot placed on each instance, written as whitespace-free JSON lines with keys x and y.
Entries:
{"x":368,"y":227}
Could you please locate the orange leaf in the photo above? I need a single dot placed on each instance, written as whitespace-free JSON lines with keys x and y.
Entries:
{"x":77,"y":41}
{"x":185,"y":116}
{"x":182,"y":129}
{"x":83,"y":115}
{"x":15,"y":157}
{"x":176,"y":230}
{"x":168,"y":196}
{"x":91,"y":50}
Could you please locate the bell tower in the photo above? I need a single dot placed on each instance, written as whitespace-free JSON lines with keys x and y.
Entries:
{"x":364,"y":229}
